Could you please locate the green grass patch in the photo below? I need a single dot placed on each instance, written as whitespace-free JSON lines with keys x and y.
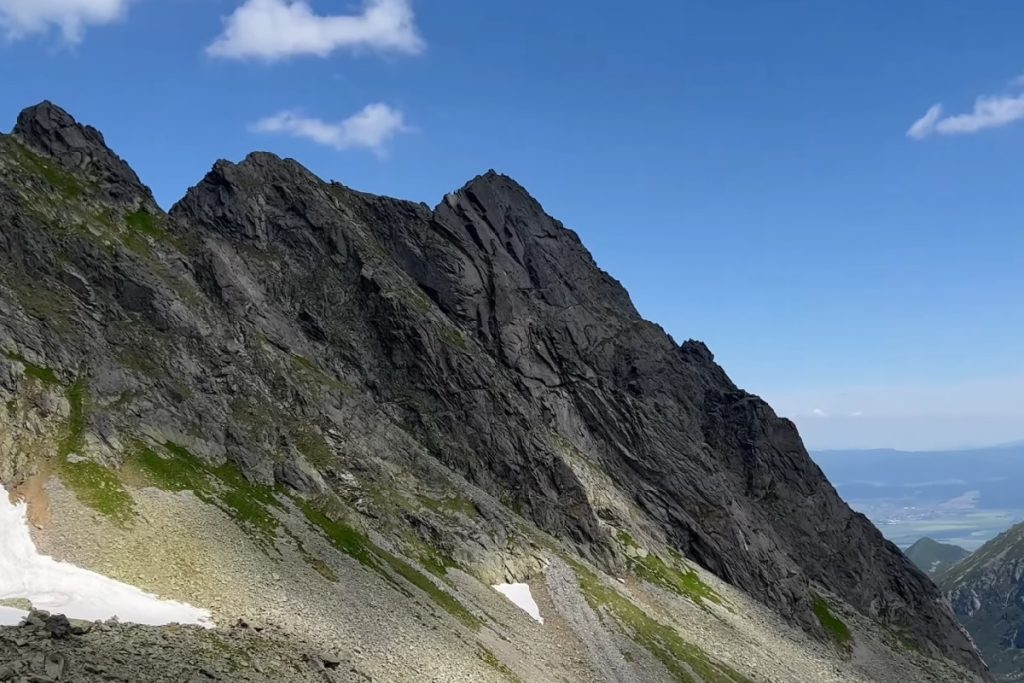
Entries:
{"x":652,"y":568}
{"x":489,"y":658}
{"x":43,"y":374}
{"x":69,"y":186}
{"x":435,"y":561}
{"x":452,"y":337}
{"x":98,"y":487}
{"x":144,"y":223}
{"x":350,"y":541}
{"x":137,"y":244}
{"x":312,"y":444}
{"x":94,"y":485}
{"x":224,"y":487}
{"x":358,"y":545}
{"x":662,"y":641}
{"x":836,"y":629}
{"x":182,"y":472}
{"x":73,"y":440}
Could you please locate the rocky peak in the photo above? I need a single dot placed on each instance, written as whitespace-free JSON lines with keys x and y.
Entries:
{"x":479,"y":338}
{"x":51,"y":131}
{"x":261,"y":199}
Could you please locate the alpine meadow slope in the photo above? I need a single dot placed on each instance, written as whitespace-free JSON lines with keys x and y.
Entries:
{"x":348,"y":416}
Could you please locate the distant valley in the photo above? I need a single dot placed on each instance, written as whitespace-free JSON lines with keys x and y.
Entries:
{"x":960,"y":497}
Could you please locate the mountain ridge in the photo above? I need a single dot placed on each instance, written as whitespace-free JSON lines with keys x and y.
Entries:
{"x":479,"y":335}
{"x":933,"y":557}
{"x":986,"y":591}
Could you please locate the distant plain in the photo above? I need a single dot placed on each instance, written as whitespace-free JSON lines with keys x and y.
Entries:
{"x":963,"y":497}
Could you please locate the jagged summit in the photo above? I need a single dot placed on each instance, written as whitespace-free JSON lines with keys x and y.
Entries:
{"x":48,"y":129}
{"x":464,"y":384}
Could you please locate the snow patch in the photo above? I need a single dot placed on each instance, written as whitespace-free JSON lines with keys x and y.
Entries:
{"x":63,"y":588}
{"x":10,"y":616}
{"x":521,"y":597}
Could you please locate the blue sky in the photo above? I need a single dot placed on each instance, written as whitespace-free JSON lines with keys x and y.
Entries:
{"x":772,"y":178}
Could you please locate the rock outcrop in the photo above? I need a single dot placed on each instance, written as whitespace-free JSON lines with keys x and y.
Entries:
{"x":298,"y":329}
{"x":987,"y":594}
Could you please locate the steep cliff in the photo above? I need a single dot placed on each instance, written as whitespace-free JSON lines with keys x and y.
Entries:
{"x":331,"y":347}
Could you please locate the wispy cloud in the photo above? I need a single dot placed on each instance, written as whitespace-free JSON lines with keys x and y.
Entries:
{"x":20,"y":18}
{"x":818,"y":412}
{"x":278,"y":29}
{"x":925,"y":125}
{"x":371,"y":128}
{"x":990,"y":111}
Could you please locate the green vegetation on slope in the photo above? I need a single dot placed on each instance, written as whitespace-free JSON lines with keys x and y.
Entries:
{"x":223,"y":486}
{"x":358,"y":546}
{"x":66,"y":184}
{"x":488,"y":658}
{"x":144,"y":223}
{"x":1009,"y":544}
{"x":93,"y":484}
{"x":652,"y":568}
{"x":838,"y":631}
{"x":43,"y":374}
{"x":662,"y":641}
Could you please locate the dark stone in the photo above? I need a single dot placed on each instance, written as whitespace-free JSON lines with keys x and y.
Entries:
{"x":58,"y":626}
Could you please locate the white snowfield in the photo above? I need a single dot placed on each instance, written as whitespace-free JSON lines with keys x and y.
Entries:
{"x":520,"y":595}
{"x":62,"y":588}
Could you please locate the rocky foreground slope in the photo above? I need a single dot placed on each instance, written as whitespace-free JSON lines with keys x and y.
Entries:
{"x":346,"y":415}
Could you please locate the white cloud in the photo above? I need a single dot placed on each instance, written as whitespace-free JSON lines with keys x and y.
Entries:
{"x":371,"y":128}
{"x":20,"y":18}
{"x":990,"y":111}
{"x":924,"y":126}
{"x":818,"y":412}
{"x":278,"y":29}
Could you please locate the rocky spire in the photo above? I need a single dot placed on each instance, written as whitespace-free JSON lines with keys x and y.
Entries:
{"x":51,"y":131}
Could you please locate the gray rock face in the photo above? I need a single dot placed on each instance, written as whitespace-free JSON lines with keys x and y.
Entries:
{"x":50,"y":130}
{"x":482,"y":328}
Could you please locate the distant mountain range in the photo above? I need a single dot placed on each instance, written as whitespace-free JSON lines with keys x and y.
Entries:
{"x":970,"y":497}
{"x":997,"y":470}
{"x":964,"y":497}
{"x":932,"y":557}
